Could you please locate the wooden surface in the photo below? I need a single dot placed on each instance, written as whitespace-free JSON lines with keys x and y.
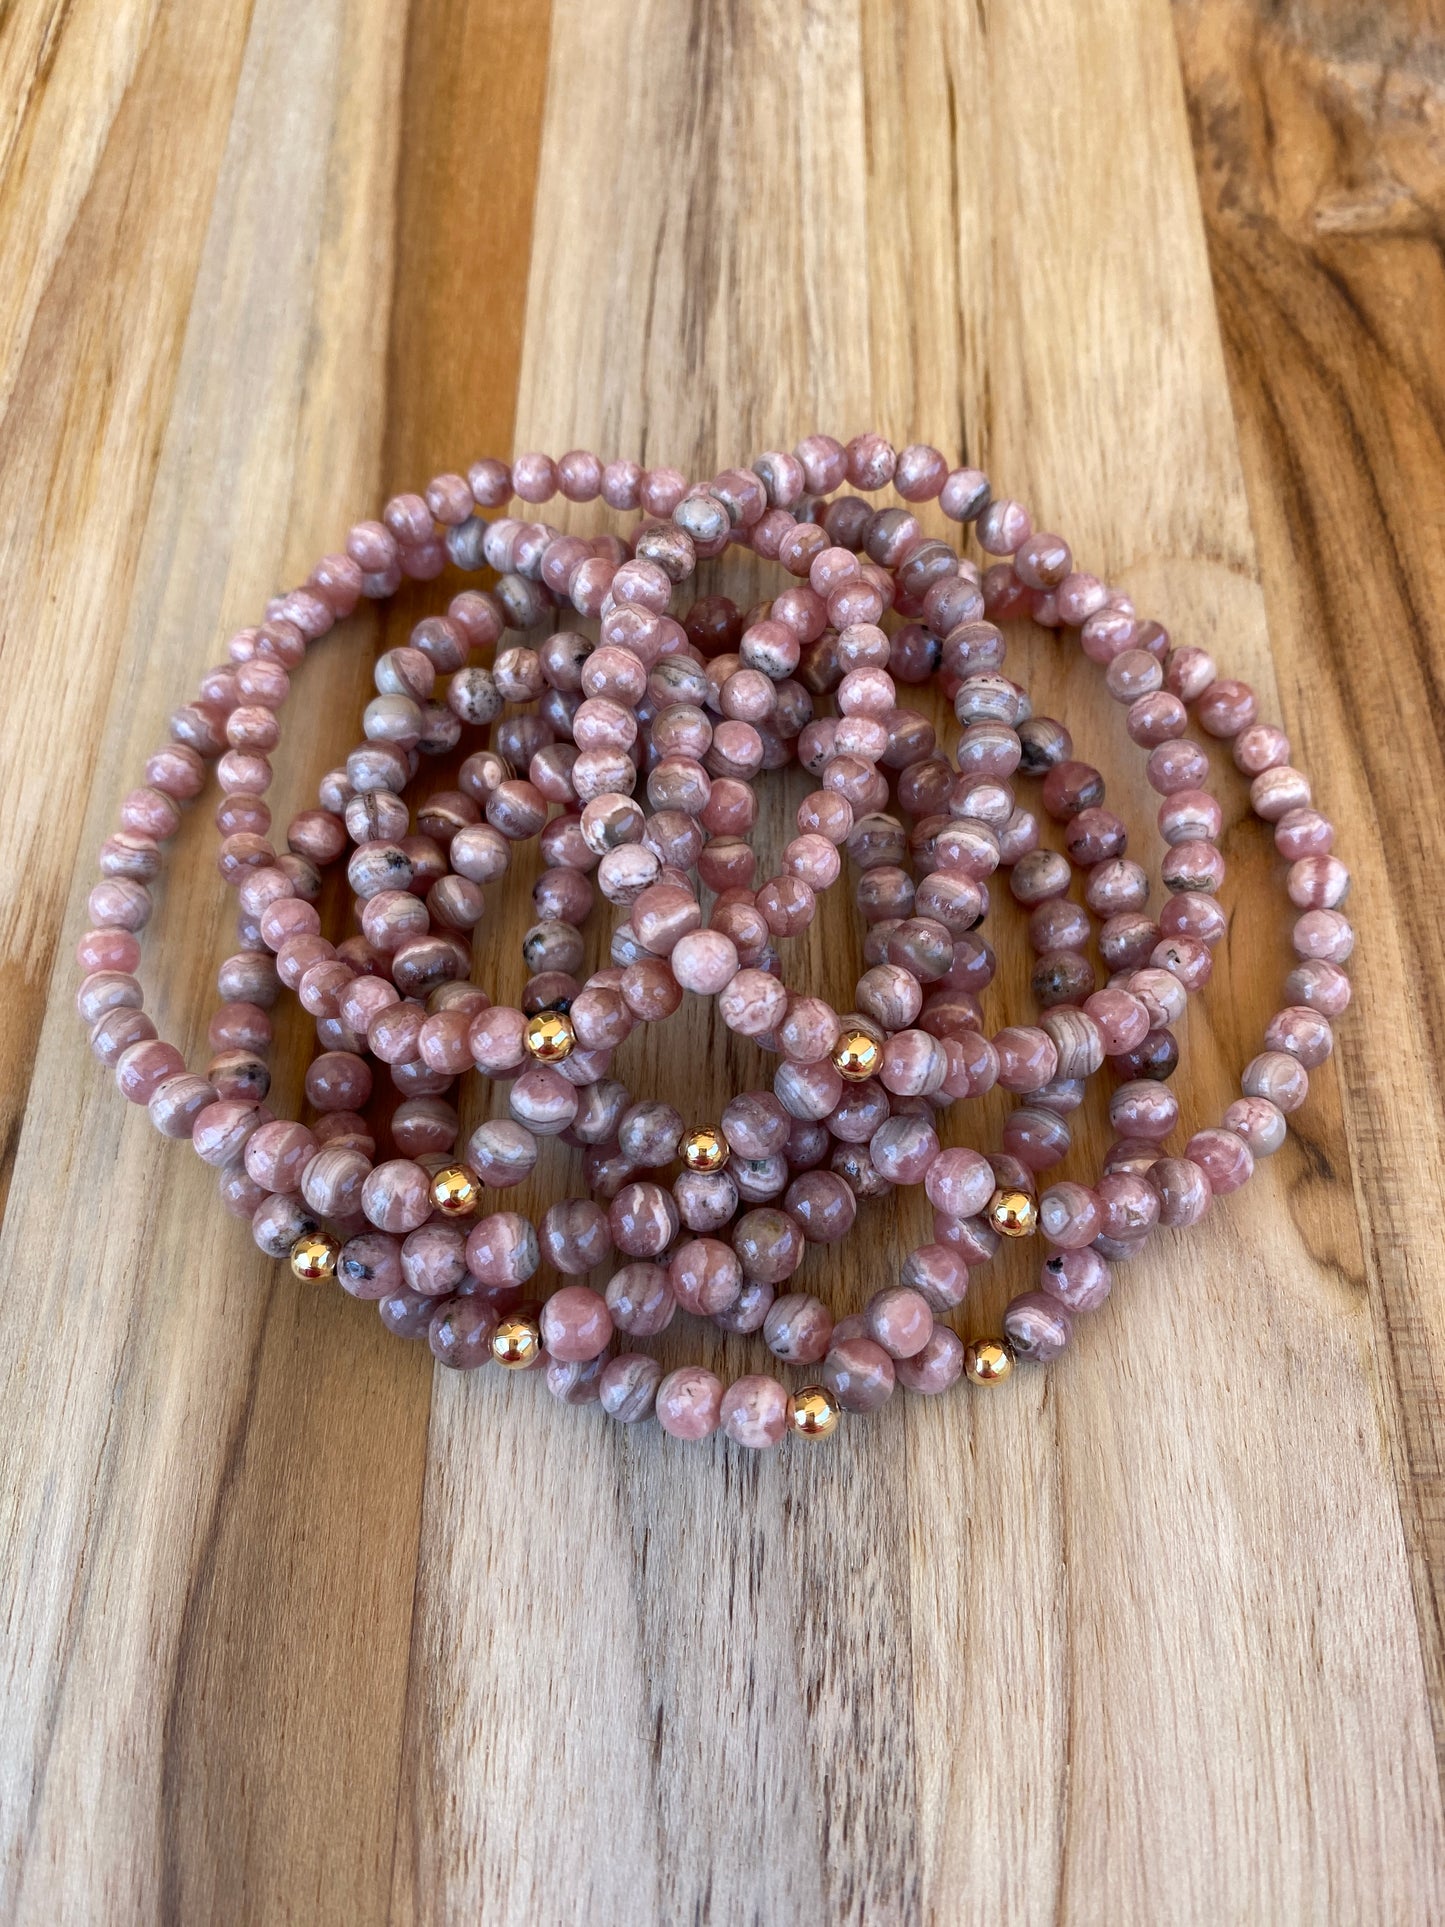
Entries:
{"x":295,"y":1629}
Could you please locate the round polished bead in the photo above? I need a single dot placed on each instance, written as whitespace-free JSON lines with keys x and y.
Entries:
{"x":516,"y":1343}
{"x":705,"y":1149}
{"x":314,"y":1256}
{"x":1013,"y":1213}
{"x":859,"y":1373}
{"x":813,"y":1412}
{"x":900,"y":1320}
{"x":857,"y":1055}
{"x":549,"y":1036}
{"x":754,"y":1411}
{"x":988,"y":1361}
{"x":455,"y":1191}
{"x":689,"y":1403}
{"x":1183,"y":1190}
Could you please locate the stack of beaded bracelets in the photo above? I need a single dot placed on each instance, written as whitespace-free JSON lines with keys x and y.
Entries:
{"x":861,"y":1092}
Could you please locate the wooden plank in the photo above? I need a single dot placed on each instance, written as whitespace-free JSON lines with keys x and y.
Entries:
{"x":1318,"y":158}
{"x":1150,"y":1636}
{"x":207,"y":1605}
{"x":1110,"y":1644}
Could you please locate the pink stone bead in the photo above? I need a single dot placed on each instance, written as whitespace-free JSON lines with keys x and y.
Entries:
{"x":859,"y":1373}
{"x":704,"y":961}
{"x":277,"y":1154}
{"x":1261,"y":1124}
{"x":574,"y":1236}
{"x":900,"y":1320}
{"x":1123,"y":1020}
{"x":1277,"y":792}
{"x":1027,"y":1058}
{"x":938,"y":1274}
{"x":1128,"y":1204}
{"x":798,"y":1328}
{"x":662,"y":914}
{"x":959,"y":1182}
{"x":643,"y":1220}
{"x":1317,"y":883}
{"x":808,"y":1030}
{"x":936,"y":1367}
{"x":627,"y":1387}
{"x":1304,"y":1033}
{"x":754,"y":1411}
{"x":396,"y":1197}
{"x":1277,"y":1076}
{"x":689,"y":1403}
{"x":768,"y":1245}
{"x":1183,"y":1189}
{"x":920,"y":473}
{"x":332,"y":1180}
{"x":543,"y":1100}
{"x":706,"y":1276}
{"x":105,"y":990}
{"x":108,"y":949}
{"x":177,"y":1102}
{"x":502,"y":1249}
{"x":1144,"y":1109}
{"x":1190,"y":816}
{"x":1224,"y":1158}
{"x":1225,"y":708}
{"x":1258,"y":748}
{"x":434,"y":1260}
{"x":640,"y":1299}
{"x":914,"y":1064}
{"x":1079,"y":1279}
{"x":1319,"y":986}
{"x":1069,"y":1216}
{"x":1303,"y":832}
{"x":459,"y":1333}
{"x":1037,"y":1137}
{"x":1038,"y":1326}
{"x":1159,"y":718}
{"x":576,"y":1324}
{"x":116,"y":1029}
{"x":369,"y":1265}
{"x":903,"y":1148}
{"x":1323,"y":936}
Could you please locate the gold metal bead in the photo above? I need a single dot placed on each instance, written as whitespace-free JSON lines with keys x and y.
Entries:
{"x":1013,"y":1213}
{"x":705,"y":1149}
{"x":314,"y":1256}
{"x":550,"y":1037}
{"x":456,"y":1191}
{"x":988,"y":1360}
{"x":516,"y":1343}
{"x":856,"y":1056}
{"x":813,"y":1412}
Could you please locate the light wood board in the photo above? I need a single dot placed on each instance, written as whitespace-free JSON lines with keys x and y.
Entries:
{"x":295,"y":1629}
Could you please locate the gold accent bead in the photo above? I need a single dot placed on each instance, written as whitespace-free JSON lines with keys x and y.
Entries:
{"x":549,"y":1036}
{"x":813,"y":1412}
{"x":988,"y":1360}
{"x":1013,"y":1213}
{"x":455,"y":1191}
{"x":516,"y":1343}
{"x":314,"y":1256}
{"x":856,"y":1056}
{"x":705,"y":1149}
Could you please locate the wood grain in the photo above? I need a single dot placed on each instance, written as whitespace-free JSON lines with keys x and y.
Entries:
{"x":293,"y":1632}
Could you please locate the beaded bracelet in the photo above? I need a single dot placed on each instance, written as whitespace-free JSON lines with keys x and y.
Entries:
{"x":1316,"y":882}
{"x":975,"y":691}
